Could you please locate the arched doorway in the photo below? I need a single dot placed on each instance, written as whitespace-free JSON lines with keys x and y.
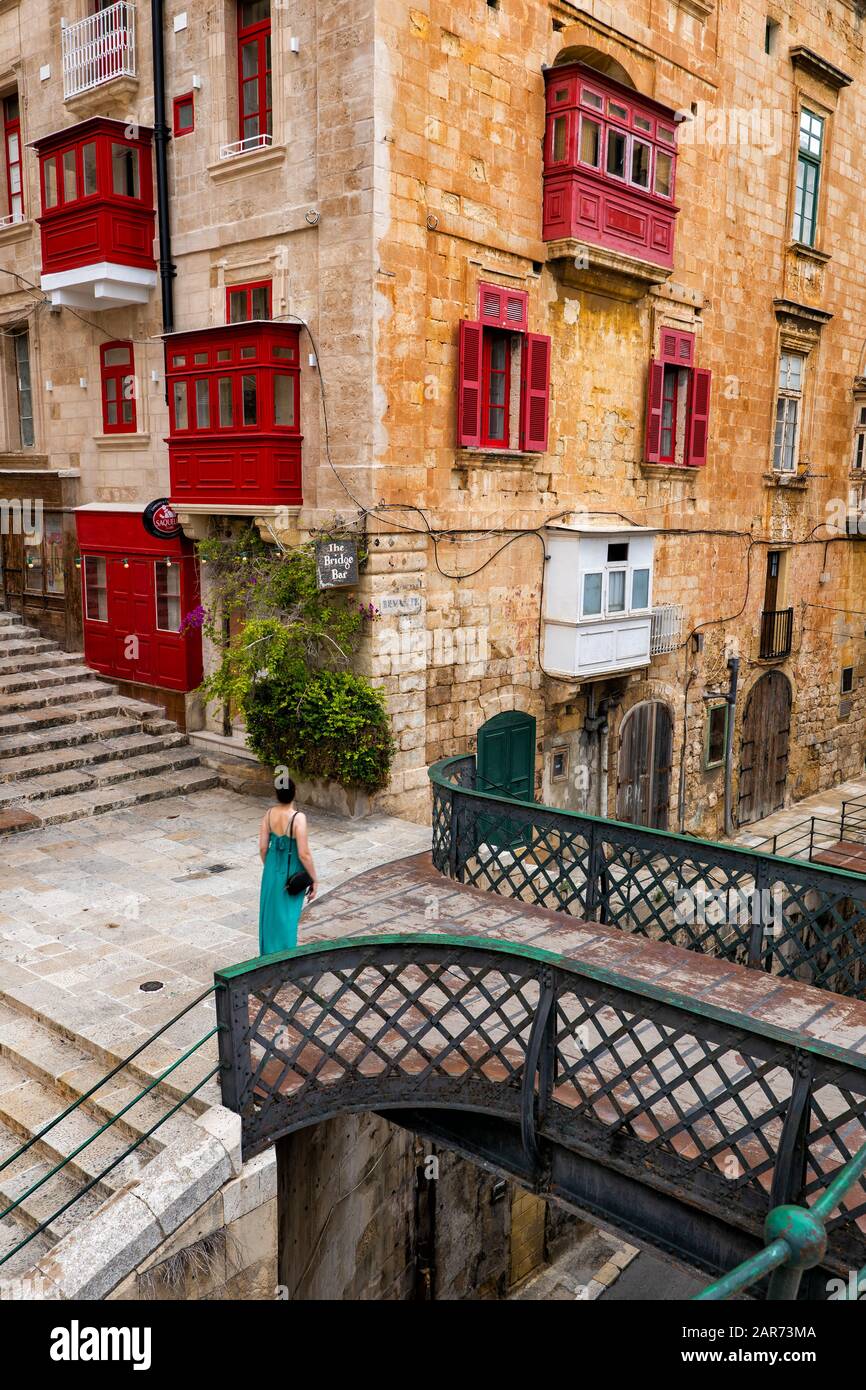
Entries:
{"x":505,"y":763}
{"x":643,"y":785}
{"x":764,"y":748}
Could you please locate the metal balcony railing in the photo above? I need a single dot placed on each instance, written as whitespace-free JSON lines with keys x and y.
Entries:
{"x":667,"y":627}
{"x":777,"y":630}
{"x":824,"y":838}
{"x":252,"y":142}
{"x":98,"y":49}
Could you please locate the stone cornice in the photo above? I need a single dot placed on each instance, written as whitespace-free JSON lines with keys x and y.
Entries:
{"x":808,"y":61}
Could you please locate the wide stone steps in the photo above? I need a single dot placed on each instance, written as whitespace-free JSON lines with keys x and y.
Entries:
{"x":44,"y":1068}
{"x":55,"y":677}
{"x":124,"y":746}
{"x":112,"y":769}
{"x":25,"y":665}
{"x":72,"y":735}
{"x":46,"y":1202}
{"x":85,"y":688}
{"x":69,"y":1067}
{"x":98,"y":802}
{"x":71,"y":745}
{"x":53,"y":716}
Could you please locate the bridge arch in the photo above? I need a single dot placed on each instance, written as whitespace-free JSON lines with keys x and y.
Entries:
{"x":598,"y":1093}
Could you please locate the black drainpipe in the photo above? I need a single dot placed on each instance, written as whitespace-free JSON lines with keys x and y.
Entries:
{"x":161,"y":137}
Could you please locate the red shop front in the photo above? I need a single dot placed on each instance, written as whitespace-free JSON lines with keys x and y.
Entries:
{"x":137,"y":589}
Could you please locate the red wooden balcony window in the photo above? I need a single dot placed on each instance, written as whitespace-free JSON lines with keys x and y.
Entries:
{"x":678,"y":404}
{"x":490,"y":350}
{"x":117,"y":364}
{"x":609,"y":164}
{"x":97,"y":196}
{"x":106,"y":168}
{"x":254,"y":68}
{"x":234,"y":414}
{"x":247,"y":302}
{"x":248,"y":386}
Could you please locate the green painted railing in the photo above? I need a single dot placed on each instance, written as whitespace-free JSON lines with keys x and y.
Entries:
{"x":78,"y":1105}
{"x":797,"y":1240}
{"x":790,"y":917}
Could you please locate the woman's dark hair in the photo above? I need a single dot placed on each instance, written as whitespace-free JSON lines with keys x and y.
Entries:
{"x":285,"y":792}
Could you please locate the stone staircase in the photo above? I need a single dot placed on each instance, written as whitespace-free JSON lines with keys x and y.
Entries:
{"x":71,"y":745}
{"x":44,"y":1068}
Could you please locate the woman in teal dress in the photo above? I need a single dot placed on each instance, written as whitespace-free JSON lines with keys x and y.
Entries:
{"x":284,"y":848}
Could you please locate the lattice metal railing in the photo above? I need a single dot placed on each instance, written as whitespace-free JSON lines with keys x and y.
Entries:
{"x":732,"y":1118}
{"x":797,"y":920}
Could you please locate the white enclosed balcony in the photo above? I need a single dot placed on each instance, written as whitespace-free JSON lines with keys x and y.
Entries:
{"x":99,"y":49}
{"x":597,"y":600}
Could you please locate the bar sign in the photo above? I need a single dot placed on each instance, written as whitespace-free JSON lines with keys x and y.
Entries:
{"x":336,"y":564}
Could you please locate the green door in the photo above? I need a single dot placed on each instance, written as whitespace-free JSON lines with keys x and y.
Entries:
{"x":506,"y":756}
{"x":505,"y":766}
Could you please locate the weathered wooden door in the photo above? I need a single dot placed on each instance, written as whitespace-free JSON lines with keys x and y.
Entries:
{"x":643,"y":785}
{"x":13,"y":572}
{"x":764,"y":748}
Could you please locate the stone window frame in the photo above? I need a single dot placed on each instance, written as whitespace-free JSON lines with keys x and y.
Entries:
{"x":10,"y":435}
{"x":225,"y":95}
{"x":804,"y":341}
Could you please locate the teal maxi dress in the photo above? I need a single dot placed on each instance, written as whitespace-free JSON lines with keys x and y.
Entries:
{"x":279,"y":911}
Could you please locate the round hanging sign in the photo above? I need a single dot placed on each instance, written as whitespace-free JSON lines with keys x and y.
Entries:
{"x":160,"y":520}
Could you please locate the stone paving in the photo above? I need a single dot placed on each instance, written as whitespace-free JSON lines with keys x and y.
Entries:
{"x":784,"y":823}
{"x":167,"y":891}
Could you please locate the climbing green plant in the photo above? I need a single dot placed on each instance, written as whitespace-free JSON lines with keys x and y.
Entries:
{"x":287,"y":666}
{"x":333,"y":725}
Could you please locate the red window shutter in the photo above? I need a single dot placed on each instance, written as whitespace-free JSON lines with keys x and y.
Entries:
{"x":654,"y":412}
{"x":677,"y":347}
{"x":469,"y":385}
{"x":699,"y":416}
{"x":490,"y":305}
{"x":515,"y":309}
{"x":501,"y":308}
{"x":535,"y":384}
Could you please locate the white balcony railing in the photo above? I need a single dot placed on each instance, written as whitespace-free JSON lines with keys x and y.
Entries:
{"x":12,"y":219}
{"x":98,"y":49}
{"x":252,"y":142}
{"x":666,"y":629}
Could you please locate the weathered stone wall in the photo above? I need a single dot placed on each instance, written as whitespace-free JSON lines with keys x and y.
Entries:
{"x":370,"y":1211}
{"x":463,"y":183}
{"x":226,"y":1250}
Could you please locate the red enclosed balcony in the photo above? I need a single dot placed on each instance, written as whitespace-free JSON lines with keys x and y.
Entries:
{"x":609,"y":168}
{"x":97,"y":217}
{"x":234,"y":417}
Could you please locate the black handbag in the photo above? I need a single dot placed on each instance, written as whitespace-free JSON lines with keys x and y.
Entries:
{"x":301,"y":881}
